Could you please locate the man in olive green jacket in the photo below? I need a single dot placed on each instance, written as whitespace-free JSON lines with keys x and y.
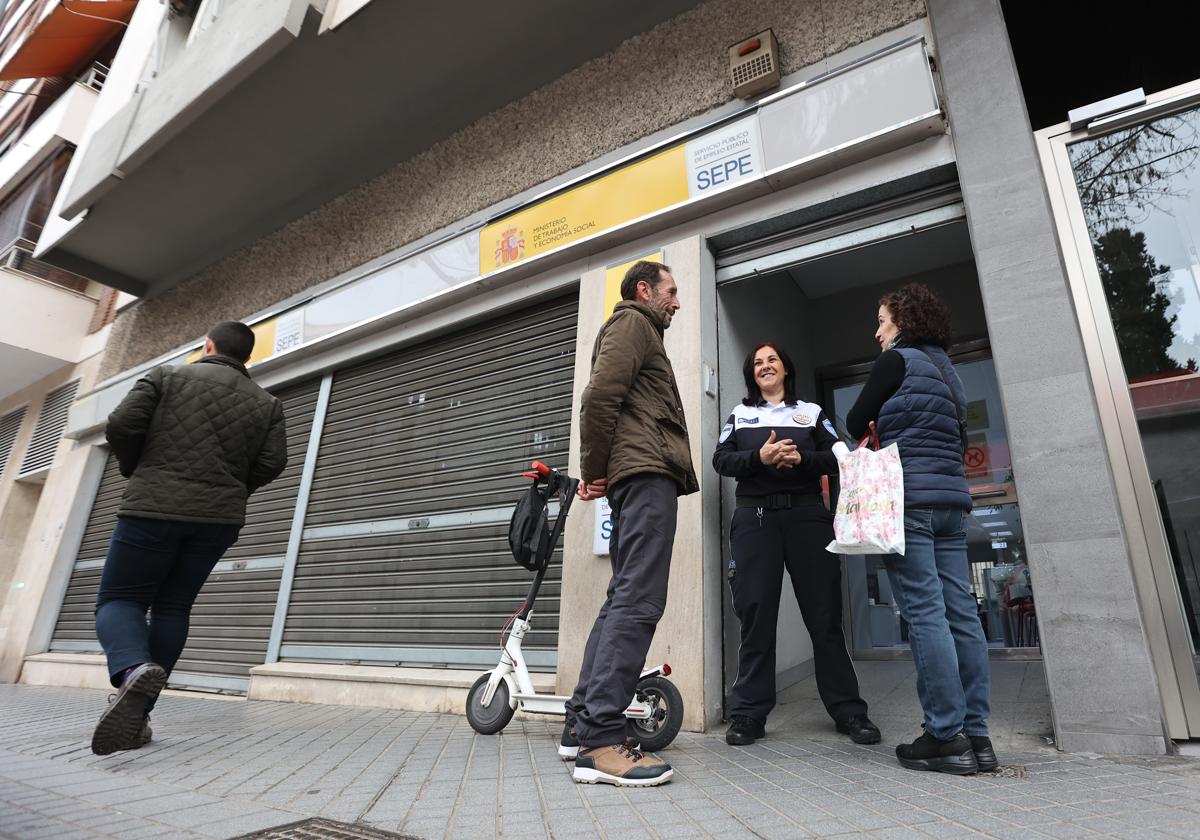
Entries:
{"x":635,"y":450}
{"x":194,"y":441}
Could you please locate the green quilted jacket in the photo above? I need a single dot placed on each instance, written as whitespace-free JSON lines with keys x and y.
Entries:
{"x":195,"y":441}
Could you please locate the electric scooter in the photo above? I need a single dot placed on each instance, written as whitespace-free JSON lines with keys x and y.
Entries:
{"x":656,"y":709}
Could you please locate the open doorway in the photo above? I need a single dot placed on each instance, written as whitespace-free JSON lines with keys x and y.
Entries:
{"x":817,"y":296}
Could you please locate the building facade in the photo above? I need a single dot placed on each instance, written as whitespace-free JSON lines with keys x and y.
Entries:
{"x":55,"y":322}
{"x":427,"y":240}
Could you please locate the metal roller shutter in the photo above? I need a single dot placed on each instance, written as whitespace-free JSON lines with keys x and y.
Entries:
{"x":231,"y":620}
{"x":405,"y":556}
{"x":75,"y":630}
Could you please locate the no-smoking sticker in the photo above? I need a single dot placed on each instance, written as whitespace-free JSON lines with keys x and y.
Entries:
{"x":975,"y":457}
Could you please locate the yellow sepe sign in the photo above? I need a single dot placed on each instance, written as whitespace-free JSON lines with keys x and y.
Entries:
{"x":264,"y":343}
{"x":614,"y":274}
{"x":611,"y":200}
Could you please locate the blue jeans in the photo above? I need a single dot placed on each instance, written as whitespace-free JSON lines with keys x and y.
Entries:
{"x":932,"y":588}
{"x":155,"y":565}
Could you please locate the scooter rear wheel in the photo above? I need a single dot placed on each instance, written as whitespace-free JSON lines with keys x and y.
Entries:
{"x":489,"y":719}
{"x":660,"y":730}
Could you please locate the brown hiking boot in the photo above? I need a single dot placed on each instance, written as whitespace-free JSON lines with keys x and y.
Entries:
{"x":621,"y":765}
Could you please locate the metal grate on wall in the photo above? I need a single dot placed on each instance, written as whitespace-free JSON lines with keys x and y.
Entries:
{"x":48,"y":430}
{"x":405,"y":557}
{"x":231,"y":619}
{"x":10,"y":427}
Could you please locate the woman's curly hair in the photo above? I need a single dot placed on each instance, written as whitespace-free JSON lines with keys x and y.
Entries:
{"x":921,"y":316}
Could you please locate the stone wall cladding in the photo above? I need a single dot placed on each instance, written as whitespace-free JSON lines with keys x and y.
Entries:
{"x":650,"y":82}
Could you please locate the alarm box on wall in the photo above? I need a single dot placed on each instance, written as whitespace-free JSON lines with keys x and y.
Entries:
{"x":754,"y":65}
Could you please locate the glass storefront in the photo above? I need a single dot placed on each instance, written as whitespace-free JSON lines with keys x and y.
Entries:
{"x":1125,"y":191}
{"x":1139,"y":188}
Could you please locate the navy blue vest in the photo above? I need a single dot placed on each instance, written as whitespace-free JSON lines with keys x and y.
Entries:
{"x":922,"y":417}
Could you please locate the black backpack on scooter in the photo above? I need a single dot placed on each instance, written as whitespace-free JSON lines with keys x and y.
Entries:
{"x":529,"y":531}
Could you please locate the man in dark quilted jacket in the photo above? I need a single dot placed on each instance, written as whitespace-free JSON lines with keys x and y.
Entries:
{"x":194,"y":441}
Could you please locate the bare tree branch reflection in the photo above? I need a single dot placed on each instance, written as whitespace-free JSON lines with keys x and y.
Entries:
{"x":1125,"y":175}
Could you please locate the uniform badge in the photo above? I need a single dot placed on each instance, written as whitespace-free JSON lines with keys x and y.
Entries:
{"x":726,"y":431}
{"x":802,"y":419}
{"x":829,"y":428}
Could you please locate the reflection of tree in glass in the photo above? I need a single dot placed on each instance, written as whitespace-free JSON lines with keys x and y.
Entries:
{"x":1123,"y":175}
{"x":1131,"y":279}
{"x":1184,"y":345}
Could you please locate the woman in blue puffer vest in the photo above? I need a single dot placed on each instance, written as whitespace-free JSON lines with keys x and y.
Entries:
{"x":915,"y":399}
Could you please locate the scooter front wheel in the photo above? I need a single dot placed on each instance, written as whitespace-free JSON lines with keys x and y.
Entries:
{"x":659,"y":730}
{"x":489,"y":719}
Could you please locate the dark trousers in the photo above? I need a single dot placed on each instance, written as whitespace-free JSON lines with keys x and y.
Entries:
{"x":155,"y":565}
{"x":761,"y":548}
{"x":644,"y":509}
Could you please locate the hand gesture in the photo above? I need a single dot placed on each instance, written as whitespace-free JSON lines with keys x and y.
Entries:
{"x":587,"y":491}
{"x":789,"y":459}
{"x":779,"y":454}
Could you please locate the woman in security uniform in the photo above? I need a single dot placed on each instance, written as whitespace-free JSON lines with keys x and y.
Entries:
{"x":778,"y":447}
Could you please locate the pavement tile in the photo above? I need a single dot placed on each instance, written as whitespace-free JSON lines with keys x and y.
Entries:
{"x":227,"y":769}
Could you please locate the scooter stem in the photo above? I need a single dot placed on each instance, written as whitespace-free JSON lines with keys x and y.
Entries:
{"x":512,"y":651}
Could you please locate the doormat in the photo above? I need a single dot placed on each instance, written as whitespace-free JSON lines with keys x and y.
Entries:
{"x":320,"y":829}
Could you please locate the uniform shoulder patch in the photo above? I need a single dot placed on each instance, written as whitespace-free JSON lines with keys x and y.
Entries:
{"x":726,"y":431}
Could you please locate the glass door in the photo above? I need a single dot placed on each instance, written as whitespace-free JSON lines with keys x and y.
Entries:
{"x":995,"y":540}
{"x":1128,"y":203}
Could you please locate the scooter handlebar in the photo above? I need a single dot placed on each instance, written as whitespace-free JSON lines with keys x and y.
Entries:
{"x":540,"y":468}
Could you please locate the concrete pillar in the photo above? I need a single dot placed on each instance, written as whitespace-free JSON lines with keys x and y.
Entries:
{"x":51,"y":541}
{"x":688,"y":636}
{"x":1103,"y":687}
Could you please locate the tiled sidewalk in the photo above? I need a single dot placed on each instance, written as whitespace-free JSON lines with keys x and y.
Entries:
{"x":222,"y":768}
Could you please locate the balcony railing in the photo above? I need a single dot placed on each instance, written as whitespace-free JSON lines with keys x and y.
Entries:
{"x":18,"y":256}
{"x":95,"y":76}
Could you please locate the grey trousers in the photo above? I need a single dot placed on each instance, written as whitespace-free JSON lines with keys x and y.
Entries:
{"x":644,"y":510}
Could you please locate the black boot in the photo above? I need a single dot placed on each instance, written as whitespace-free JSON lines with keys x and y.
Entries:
{"x":984,"y":754}
{"x":122,"y":724}
{"x":860,"y":729}
{"x":744,"y":731}
{"x":928,"y":753}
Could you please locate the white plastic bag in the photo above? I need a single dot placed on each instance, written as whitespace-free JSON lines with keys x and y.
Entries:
{"x":870,"y":511}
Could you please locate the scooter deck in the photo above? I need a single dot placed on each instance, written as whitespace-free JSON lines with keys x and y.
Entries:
{"x":541,"y":704}
{"x":552,"y":704}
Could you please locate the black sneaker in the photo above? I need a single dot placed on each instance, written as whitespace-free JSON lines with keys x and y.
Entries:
{"x":744,"y":731}
{"x":121,"y":725}
{"x":928,"y":753}
{"x":568,"y":745}
{"x":860,"y":729}
{"x":984,"y":754}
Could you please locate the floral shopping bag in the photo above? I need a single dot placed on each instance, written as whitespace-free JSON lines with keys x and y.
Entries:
{"x":870,"y":511}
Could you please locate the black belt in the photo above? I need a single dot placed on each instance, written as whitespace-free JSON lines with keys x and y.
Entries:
{"x":779,"y":501}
